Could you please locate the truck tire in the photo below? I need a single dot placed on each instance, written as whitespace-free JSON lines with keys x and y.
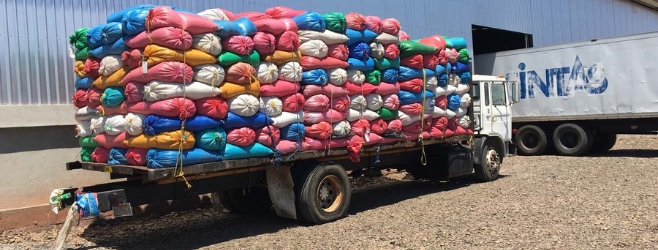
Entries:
{"x":572,"y":140}
{"x":246,"y":201}
{"x":324,"y":193}
{"x":490,"y":161}
{"x":531,"y":140}
{"x":603,"y":142}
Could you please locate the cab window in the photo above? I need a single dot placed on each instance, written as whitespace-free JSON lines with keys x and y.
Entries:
{"x":498,"y":96}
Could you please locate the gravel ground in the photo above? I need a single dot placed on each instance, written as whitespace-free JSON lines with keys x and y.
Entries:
{"x":546,"y":202}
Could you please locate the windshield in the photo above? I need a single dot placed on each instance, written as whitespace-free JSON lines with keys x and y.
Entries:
{"x":498,"y":94}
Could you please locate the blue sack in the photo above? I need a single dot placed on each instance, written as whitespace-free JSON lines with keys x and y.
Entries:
{"x":166,"y":158}
{"x":443,"y":69}
{"x":83,"y":83}
{"x":465,"y":77}
{"x":87,"y":204}
{"x":211,"y":139}
{"x":460,"y":67}
{"x":113,"y":96}
{"x":315,"y":77}
{"x":407,"y":97}
{"x":293,"y":132}
{"x":453,"y":102}
{"x":116,"y":48}
{"x":256,"y":121}
{"x":407,"y":73}
{"x":310,"y":21}
{"x":390,"y":75}
{"x":95,"y":36}
{"x":118,"y":16}
{"x":112,"y":32}
{"x":241,"y":26}
{"x":359,"y":51}
{"x":457,"y":43}
{"x":156,"y":124}
{"x":118,"y":156}
{"x":134,"y":22}
{"x":367,"y":65}
{"x":443,"y":80}
{"x":359,"y":36}
{"x":254,"y":150}
{"x":385,"y":63}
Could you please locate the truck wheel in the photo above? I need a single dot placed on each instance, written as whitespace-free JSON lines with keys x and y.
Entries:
{"x":324,"y":194}
{"x":572,"y":140}
{"x":531,"y":140}
{"x":490,"y":161}
{"x":603,"y":142}
{"x":243,"y":200}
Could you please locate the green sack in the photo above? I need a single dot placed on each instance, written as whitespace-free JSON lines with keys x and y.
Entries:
{"x":87,"y":142}
{"x":373,"y":77}
{"x":385,"y":63}
{"x":464,"y":56}
{"x":410,"y":48}
{"x":387,"y":114}
{"x":82,"y":54}
{"x":113,"y":96}
{"x":448,"y":42}
{"x":85,"y":154}
{"x":335,"y":22}
{"x":211,"y":139}
{"x":79,"y":39}
{"x":227,"y":59}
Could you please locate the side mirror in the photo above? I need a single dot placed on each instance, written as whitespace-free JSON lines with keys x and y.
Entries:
{"x":516,"y":95}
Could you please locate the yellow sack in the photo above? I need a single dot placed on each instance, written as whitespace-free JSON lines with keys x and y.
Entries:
{"x":155,"y":54}
{"x":113,"y":80}
{"x":280,"y":57}
{"x":79,"y":69}
{"x":229,"y":89}
{"x":166,"y":140}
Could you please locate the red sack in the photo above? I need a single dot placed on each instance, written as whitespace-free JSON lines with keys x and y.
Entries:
{"x":134,"y":92}
{"x":94,"y":97}
{"x":240,"y":45}
{"x":279,"y":88}
{"x":293,"y":103}
{"x":100,"y":155}
{"x":338,"y":51}
{"x":270,"y":25}
{"x":340,"y":104}
{"x":253,"y":16}
{"x":317,"y":103}
{"x":413,"y":136}
{"x":92,"y":65}
{"x":378,"y":126}
{"x":112,"y":141}
{"x":435,"y":41}
{"x":118,"y":110}
{"x":288,"y":41}
{"x":413,"y":109}
{"x":170,"y":37}
{"x":441,"y":102}
{"x":355,"y":21}
{"x":430,"y":61}
{"x":329,"y":116}
{"x":132,"y":58}
{"x":174,"y":107}
{"x":136,"y":156}
{"x":443,"y":60}
{"x":414,"y":85}
{"x":374,"y":24}
{"x":213,"y":107}
{"x":415,"y":127}
{"x":315,"y":144}
{"x":353,"y":149}
{"x":452,"y":55}
{"x":394,"y":126}
{"x":404,"y":36}
{"x":321,"y":130}
{"x":360,"y":126}
{"x":195,"y":24}
{"x":391,"y":51}
{"x":79,"y":98}
{"x":364,"y":89}
{"x":163,"y":16}
{"x":242,"y":137}
{"x":177,"y":72}
{"x":291,"y":25}
{"x":265,"y":136}
{"x":288,"y":147}
{"x":264,"y":43}
{"x":391,"y":102}
{"x":385,"y":88}
{"x":391,"y":26}
{"x":415,"y":61}
{"x":373,"y":139}
{"x":241,"y":73}
{"x":441,"y":124}
{"x":328,"y":90}
{"x":327,"y":63}
{"x":281,"y":12}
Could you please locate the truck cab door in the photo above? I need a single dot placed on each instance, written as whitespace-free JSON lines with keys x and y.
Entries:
{"x":499,"y":116}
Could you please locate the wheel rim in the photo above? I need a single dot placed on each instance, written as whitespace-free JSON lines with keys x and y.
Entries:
{"x":493,"y":161}
{"x":330,"y":194}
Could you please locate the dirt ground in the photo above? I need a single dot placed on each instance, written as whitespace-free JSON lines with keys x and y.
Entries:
{"x":548,"y":202}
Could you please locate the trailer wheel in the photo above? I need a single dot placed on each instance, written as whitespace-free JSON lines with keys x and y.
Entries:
{"x":324,"y":194}
{"x":572,"y":140}
{"x":246,"y":200}
{"x":603,"y":142}
{"x":490,"y":161}
{"x":531,"y":140}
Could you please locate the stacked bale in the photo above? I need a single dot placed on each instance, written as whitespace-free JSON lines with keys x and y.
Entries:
{"x":79,"y":49}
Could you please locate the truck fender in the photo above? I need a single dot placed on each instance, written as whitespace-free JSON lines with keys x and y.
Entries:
{"x":481,"y":141}
{"x":282,"y":194}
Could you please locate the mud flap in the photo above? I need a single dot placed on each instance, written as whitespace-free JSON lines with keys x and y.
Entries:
{"x":281,"y":190}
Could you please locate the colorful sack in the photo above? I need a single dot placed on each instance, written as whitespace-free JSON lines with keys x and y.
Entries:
{"x":287,"y":41}
{"x":268,"y":135}
{"x":240,"y":45}
{"x":229,"y":90}
{"x":391,"y":26}
{"x":166,"y":140}
{"x":117,"y":156}
{"x":241,"y":26}
{"x":177,"y":72}
{"x":386,"y":88}
{"x":169,"y":37}
{"x":163,"y":158}
{"x":335,"y":21}
{"x":339,"y":51}
{"x":327,"y":63}
{"x":175,"y":107}
{"x":155,"y":124}
{"x":256,"y":121}
{"x":241,"y":136}
{"x":264,"y":43}
{"x":232,"y":152}
{"x":279,"y":88}
{"x":136,"y":156}
{"x":310,"y":21}
{"x":293,"y":132}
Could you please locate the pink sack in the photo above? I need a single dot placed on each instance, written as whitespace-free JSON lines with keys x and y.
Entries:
{"x":134,"y":92}
{"x":391,"y":26}
{"x":374,"y":139}
{"x":253,"y":16}
{"x":385,"y":88}
{"x":340,"y":104}
{"x":283,"y":12}
{"x":360,"y":126}
{"x":378,"y":126}
{"x":242,"y":137}
{"x":391,"y":51}
{"x":293,"y":103}
{"x":291,"y":25}
{"x":452,"y":55}
{"x":213,"y":107}
{"x":177,"y":72}
{"x":315,"y":144}
{"x":279,"y":88}
{"x":415,"y":126}
{"x":79,"y":98}
{"x":414,"y":85}
{"x":94,"y":97}
{"x":241,"y":45}
{"x":339,"y":51}
{"x":288,"y":147}
{"x":374,"y":24}
{"x":132,"y":58}
{"x":443,"y":60}
{"x":100,"y":155}
{"x":328,"y":90}
{"x":441,"y":124}
{"x":404,"y":36}
{"x":321,"y":130}
{"x":264,"y":43}
{"x":136,"y":156}
{"x":118,"y":110}
{"x":414,"y":61}
{"x":413,"y":136}
{"x":175,"y":107}
{"x":329,"y":116}
{"x":264,"y":136}
{"x":391,"y":102}
{"x":241,"y":73}
{"x":430,"y":61}
{"x":92,"y":65}
{"x":163,"y":16}
{"x":327,"y":63}
{"x":270,"y":25}
{"x":195,"y":24}
{"x":170,"y":37}
{"x":317,"y":103}
{"x":364,"y":89}
{"x":112,"y":141}
{"x":288,"y":41}
{"x":355,"y":21}
{"x":441,"y":102}
{"x":435,"y":41}
{"x":394,"y":126}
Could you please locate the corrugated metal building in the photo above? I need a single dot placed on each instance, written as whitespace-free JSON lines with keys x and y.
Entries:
{"x":36,"y":77}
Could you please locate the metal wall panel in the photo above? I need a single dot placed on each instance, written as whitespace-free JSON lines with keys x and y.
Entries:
{"x":36,"y":68}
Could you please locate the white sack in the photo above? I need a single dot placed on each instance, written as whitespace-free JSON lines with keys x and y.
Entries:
{"x":341,"y":129}
{"x":271,"y":106}
{"x":134,"y":124}
{"x":353,"y":115}
{"x":464,"y":121}
{"x":337,"y":76}
{"x":85,"y":114}
{"x":438,"y":112}
{"x":211,"y":74}
{"x":115,"y":124}
{"x":243,"y":105}
{"x":447,"y":90}
{"x":83,"y":128}
{"x":314,"y":48}
{"x":110,"y":64}
{"x":461,"y":89}
{"x":385,"y":38}
{"x":290,"y":71}
{"x":157,"y":90}
{"x":327,"y":36}
{"x":454,"y":80}
{"x":287,"y":118}
{"x":358,"y":102}
{"x":374,"y":102}
{"x":431,"y":83}
{"x":461,"y":111}
{"x":97,"y":124}
{"x":377,"y":50}
{"x":208,"y":42}
{"x":214,"y":14}
{"x":407,"y":119}
{"x":268,"y":72}
{"x":465,"y":99}
{"x":356,"y":76}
